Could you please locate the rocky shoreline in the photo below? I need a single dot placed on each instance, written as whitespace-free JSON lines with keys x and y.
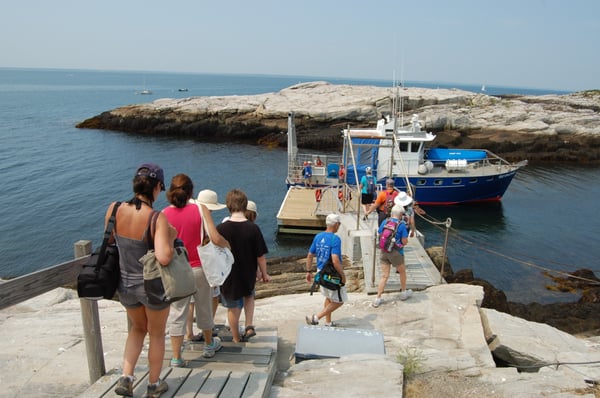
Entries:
{"x":580,"y":318}
{"x":546,"y":128}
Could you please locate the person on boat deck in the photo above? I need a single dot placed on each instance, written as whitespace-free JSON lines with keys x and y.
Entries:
{"x":342,"y":173}
{"x":384,"y":202}
{"x":366,"y":193}
{"x":307,"y":173}
{"x":324,"y":245}
{"x":249,"y":253}
{"x":318,"y":162}
{"x":395,"y":257}
{"x":146,"y":318}
{"x":190,"y":225}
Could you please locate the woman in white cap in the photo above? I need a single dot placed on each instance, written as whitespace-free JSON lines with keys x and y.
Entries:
{"x":251,"y":211}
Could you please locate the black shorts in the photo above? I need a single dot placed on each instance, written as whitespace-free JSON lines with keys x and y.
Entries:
{"x":366,"y":198}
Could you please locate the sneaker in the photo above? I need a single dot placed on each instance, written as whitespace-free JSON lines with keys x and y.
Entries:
{"x":377,"y":302}
{"x":154,"y":390}
{"x":312,"y":320}
{"x":331,"y":324}
{"x":212,"y":348}
{"x":405,"y":294}
{"x":177,"y":363}
{"x":124,"y":386}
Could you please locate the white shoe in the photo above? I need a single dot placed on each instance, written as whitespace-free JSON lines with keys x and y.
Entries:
{"x":405,"y":294}
{"x":377,"y":302}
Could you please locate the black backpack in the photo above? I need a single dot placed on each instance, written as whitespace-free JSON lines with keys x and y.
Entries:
{"x":370,"y":184}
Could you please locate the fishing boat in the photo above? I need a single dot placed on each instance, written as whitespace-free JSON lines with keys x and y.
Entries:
{"x":433,"y":176}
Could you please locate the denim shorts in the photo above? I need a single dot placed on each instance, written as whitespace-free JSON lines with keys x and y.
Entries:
{"x":238,"y":303}
{"x":135,"y":296}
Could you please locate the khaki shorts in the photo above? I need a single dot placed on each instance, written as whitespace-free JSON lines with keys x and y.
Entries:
{"x":394,"y":258}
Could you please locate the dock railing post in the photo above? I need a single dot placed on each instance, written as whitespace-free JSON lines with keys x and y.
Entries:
{"x":448,"y":225}
{"x":91,"y":324}
{"x":374,"y":258}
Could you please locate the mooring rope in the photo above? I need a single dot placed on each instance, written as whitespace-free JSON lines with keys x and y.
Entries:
{"x":485,"y":246}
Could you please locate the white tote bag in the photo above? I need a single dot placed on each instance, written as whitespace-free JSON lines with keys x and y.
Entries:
{"x":216,"y":261}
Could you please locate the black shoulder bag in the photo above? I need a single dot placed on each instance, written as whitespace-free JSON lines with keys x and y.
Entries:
{"x":328,"y":277}
{"x":100,"y":275}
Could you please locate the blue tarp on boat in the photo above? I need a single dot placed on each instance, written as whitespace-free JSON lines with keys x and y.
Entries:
{"x":443,"y":154}
{"x":366,"y":153}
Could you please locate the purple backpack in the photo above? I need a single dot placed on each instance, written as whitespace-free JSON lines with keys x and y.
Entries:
{"x":387,"y":239}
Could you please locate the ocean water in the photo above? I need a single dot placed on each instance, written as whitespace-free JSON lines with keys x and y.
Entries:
{"x":58,"y":180}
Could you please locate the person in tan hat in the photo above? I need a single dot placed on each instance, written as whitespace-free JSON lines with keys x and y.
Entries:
{"x":209,"y":199}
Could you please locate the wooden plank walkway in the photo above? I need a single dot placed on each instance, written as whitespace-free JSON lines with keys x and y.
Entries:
{"x":359,"y":245}
{"x":300,"y":213}
{"x":237,"y":370}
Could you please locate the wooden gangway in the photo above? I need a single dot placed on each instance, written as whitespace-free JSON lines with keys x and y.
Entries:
{"x":360,"y":246}
{"x":301,"y":213}
{"x":237,"y":370}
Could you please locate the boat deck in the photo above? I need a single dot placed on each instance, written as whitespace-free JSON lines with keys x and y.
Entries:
{"x":237,"y":370}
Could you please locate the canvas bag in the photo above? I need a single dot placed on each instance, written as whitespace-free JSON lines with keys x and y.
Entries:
{"x":216,"y":260}
{"x":165,"y":284}
{"x":99,"y":276}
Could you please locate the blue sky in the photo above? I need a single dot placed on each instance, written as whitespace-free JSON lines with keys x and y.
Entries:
{"x":549,"y":44}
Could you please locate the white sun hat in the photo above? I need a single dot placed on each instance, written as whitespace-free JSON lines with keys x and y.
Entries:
{"x":402,"y":199}
{"x":252,"y":207}
{"x":209,"y":199}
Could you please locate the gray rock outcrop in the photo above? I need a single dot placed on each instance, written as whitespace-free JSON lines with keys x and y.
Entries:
{"x":550,"y":127}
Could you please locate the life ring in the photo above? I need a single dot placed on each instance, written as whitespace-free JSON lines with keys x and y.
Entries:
{"x":318,"y":194}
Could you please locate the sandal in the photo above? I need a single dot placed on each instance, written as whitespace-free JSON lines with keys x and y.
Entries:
{"x":249,"y":332}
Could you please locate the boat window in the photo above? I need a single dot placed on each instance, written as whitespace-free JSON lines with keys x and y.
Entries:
{"x":403,"y":146}
{"x":421,"y":182}
{"x":438,"y":182}
{"x":473,"y":180}
{"x":456,"y":181}
{"x":415,"y":147}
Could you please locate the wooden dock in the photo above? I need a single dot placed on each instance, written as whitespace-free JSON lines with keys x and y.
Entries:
{"x":302,"y":213}
{"x":237,"y":370}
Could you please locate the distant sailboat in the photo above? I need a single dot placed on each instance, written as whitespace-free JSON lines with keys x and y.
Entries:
{"x":483,"y":88}
{"x":145,"y":91}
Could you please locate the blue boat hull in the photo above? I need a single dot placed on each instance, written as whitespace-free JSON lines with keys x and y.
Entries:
{"x":455,"y":190}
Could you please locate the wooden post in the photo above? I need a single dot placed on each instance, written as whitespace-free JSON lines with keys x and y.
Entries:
{"x":91,"y":324}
